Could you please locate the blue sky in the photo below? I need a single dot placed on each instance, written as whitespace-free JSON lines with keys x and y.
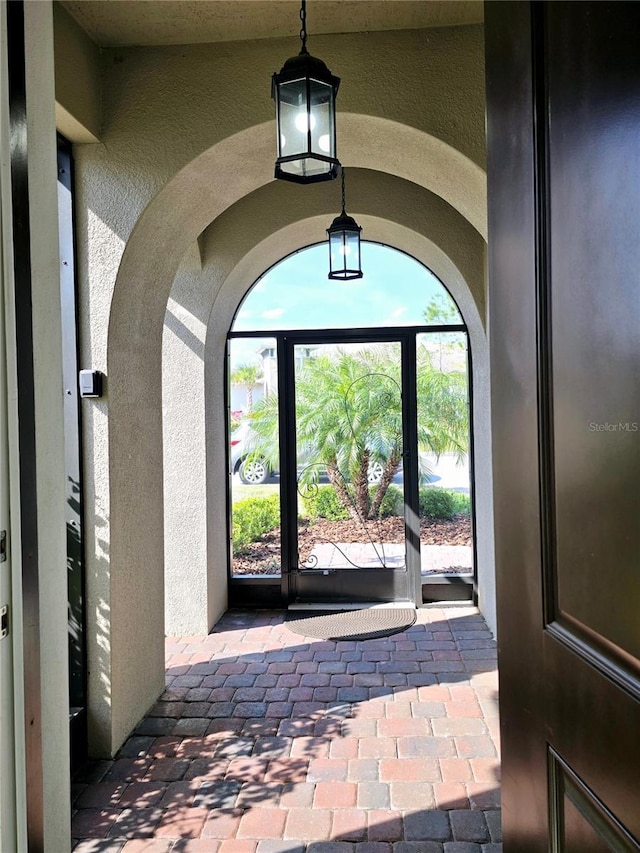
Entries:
{"x":296,"y":294}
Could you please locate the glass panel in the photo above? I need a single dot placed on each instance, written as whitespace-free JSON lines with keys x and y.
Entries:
{"x":293,"y":121}
{"x":311,"y":166}
{"x":338,"y":251}
{"x":344,"y":246}
{"x":352,"y":255}
{"x":446,"y":542}
{"x":395,"y":290}
{"x":253,"y":455}
{"x":288,"y":135}
{"x":321,"y":136}
{"x":349,"y":452}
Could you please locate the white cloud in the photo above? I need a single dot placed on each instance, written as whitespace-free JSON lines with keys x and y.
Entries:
{"x":273,"y":313}
{"x":399,"y":312}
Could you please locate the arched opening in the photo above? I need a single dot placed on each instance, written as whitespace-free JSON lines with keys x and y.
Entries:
{"x":349,"y":421}
{"x":150,"y":523}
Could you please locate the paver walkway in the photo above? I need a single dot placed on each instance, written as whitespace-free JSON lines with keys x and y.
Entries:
{"x":268,"y":742}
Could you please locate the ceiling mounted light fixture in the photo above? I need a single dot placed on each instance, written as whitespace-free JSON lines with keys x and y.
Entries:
{"x":344,"y":245}
{"x":305,"y":94}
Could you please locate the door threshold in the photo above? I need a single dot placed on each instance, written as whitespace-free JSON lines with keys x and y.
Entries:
{"x":353,"y":605}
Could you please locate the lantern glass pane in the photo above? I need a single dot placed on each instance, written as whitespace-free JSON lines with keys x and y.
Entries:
{"x":352,"y":250}
{"x":337,"y":250}
{"x":293,"y":92}
{"x":323,"y":139}
{"x":315,"y":167}
{"x":292,"y":117}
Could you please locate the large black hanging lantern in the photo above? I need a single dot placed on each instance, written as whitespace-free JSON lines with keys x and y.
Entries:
{"x":344,"y":245}
{"x":305,"y":95}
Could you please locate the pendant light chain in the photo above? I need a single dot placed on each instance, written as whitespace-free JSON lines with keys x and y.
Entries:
{"x":343,"y":193}
{"x":303,"y":29}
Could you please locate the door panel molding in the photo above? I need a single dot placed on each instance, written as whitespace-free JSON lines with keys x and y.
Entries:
{"x":596,"y":650}
{"x":594,"y":647}
{"x":543,"y":307}
{"x":593,"y":724}
{"x":566,"y":787}
{"x":574,"y":524}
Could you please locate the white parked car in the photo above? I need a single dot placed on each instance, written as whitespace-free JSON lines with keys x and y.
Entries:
{"x":254,"y":469}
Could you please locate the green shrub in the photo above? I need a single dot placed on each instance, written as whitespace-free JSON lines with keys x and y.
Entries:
{"x":461,"y":503}
{"x":323,"y":502}
{"x":252,"y":518}
{"x":436,"y":503}
{"x":392,"y":502}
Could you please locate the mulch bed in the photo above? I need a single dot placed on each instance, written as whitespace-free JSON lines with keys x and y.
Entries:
{"x":263,"y":558}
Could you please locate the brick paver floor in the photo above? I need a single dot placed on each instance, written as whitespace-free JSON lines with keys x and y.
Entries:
{"x":265,"y":741}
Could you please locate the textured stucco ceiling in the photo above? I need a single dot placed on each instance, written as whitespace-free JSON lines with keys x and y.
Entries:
{"x":113,"y":23}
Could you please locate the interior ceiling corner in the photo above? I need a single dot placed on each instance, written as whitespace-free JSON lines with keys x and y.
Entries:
{"x":111,"y":23}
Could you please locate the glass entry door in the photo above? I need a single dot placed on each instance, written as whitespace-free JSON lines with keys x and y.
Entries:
{"x":347,"y":433}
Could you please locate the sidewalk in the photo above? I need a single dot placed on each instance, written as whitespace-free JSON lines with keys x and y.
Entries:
{"x":373,"y":555}
{"x":265,"y":742}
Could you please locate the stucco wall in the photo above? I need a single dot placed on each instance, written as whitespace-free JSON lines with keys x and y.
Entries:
{"x":77,"y":79}
{"x":187,"y":132}
{"x":208,"y":294}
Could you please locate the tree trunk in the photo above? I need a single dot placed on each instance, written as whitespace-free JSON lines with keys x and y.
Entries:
{"x":361,"y":486}
{"x":390,"y":470}
{"x":338,"y":483}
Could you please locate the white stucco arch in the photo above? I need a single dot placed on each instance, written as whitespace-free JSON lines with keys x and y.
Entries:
{"x":126,"y":673}
{"x":230,"y":296}
{"x":195,"y":564}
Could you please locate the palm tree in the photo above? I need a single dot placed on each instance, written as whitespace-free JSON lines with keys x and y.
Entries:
{"x":349,"y":418}
{"x":443,"y":407}
{"x":247,"y":376}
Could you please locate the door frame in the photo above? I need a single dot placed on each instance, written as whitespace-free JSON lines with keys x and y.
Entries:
{"x":8,"y":462}
{"x":265,"y":591}
{"x":73,"y":458}
{"x":401,"y":584}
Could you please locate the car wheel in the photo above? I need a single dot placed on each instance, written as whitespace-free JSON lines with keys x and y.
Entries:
{"x":375,"y":472}
{"x":254,"y":471}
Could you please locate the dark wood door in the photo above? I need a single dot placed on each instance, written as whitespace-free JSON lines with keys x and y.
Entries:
{"x":563,"y":95}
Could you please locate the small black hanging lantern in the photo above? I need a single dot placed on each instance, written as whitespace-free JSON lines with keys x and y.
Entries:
{"x":305,"y":94}
{"x":344,"y":245}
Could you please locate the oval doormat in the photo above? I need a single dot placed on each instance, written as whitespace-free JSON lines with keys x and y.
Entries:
{"x":367,"y":624}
